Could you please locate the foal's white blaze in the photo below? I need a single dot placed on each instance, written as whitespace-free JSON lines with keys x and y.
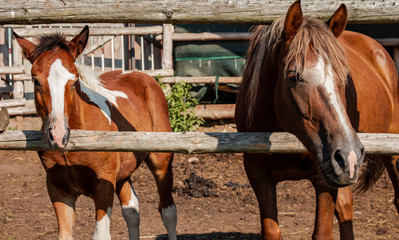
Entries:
{"x":320,"y":78}
{"x":131,"y":215}
{"x":169,"y":218}
{"x":102,"y":228}
{"x":57,"y":80}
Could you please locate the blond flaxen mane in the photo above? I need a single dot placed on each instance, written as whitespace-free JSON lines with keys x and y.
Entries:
{"x":313,"y":34}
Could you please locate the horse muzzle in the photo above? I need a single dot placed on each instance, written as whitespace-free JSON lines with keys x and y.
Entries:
{"x":342,"y":166}
{"x":58,"y":133}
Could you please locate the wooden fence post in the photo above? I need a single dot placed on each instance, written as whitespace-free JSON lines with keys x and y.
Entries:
{"x":18,"y":91}
{"x":167,"y":44}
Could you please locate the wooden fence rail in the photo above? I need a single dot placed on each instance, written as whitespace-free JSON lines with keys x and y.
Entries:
{"x":186,"y":11}
{"x":190,"y":142}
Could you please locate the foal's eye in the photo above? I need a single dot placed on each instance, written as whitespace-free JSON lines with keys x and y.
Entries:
{"x":74,"y":84}
{"x":294,"y":77}
{"x":36,"y":82}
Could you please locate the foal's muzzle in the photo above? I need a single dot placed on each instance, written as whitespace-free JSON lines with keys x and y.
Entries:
{"x":58,"y":133}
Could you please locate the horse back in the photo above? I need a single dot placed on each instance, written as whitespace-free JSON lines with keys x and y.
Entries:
{"x":144,"y":109}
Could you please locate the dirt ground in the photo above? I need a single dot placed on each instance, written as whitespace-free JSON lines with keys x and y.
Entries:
{"x":212,"y":194}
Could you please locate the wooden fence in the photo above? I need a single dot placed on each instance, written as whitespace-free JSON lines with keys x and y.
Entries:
{"x":172,"y":11}
{"x":186,"y":142}
{"x":187,"y":11}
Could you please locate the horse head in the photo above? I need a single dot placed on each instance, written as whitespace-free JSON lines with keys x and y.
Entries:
{"x":310,"y":93}
{"x":55,"y":76}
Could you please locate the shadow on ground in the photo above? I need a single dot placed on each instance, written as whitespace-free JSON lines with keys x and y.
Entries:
{"x":214,"y":235}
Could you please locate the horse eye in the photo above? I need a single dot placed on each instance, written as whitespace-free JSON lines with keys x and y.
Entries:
{"x":294,"y":77}
{"x":36,"y":82}
{"x":74,"y":84}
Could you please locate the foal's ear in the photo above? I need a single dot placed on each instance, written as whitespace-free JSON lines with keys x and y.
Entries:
{"x":79,"y":42}
{"x":26,"y":45}
{"x":293,"y":20}
{"x":337,"y":22}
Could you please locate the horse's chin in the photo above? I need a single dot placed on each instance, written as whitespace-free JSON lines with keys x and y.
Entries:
{"x":333,"y":180}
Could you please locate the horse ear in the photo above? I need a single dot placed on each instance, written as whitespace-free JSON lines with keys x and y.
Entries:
{"x":293,"y":20}
{"x":338,"y":20}
{"x":26,"y":45}
{"x":79,"y":41}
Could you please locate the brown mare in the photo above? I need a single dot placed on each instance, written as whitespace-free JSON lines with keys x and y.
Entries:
{"x":322,"y":84}
{"x":67,"y":97}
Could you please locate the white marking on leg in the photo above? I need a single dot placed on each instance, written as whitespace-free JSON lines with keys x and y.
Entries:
{"x":169,"y":218}
{"x":131,"y":214}
{"x":102,"y":228}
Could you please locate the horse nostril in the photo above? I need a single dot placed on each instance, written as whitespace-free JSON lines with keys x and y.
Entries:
{"x":65,"y":139}
{"x":339,"y":158}
{"x":362,"y":152}
{"x":50,"y":136}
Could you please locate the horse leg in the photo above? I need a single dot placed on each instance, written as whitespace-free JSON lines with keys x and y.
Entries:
{"x":130,"y":207}
{"x":344,"y":213}
{"x":265,"y":191}
{"x":325,"y":206}
{"x":160,"y":165}
{"x":103,"y":199}
{"x":392,"y":165}
{"x":64,"y":207}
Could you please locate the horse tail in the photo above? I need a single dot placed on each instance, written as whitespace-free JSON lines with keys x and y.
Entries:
{"x":374,"y":170}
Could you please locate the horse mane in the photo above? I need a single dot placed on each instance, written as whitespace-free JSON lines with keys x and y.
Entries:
{"x":312,"y":35}
{"x":48,"y":42}
{"x":92,"y":81}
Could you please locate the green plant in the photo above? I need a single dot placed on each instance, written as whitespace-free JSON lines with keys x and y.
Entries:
{"x":181,"y":107}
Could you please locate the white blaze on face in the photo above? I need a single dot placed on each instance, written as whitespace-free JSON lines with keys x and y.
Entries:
{"x":57,"y":80}
{"x":318,"y":77}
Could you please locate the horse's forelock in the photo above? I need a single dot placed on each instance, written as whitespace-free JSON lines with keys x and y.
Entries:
{"x":314,"y":35}
{"x":50,"y":42}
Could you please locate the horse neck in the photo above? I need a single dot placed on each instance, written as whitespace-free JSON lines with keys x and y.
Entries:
{"x":265,"y":103}
{"x":76,"y":115}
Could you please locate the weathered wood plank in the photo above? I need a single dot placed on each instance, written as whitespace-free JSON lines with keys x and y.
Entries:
{"x":215,"y":111}
{"x":12,"y":103}
{"x":4,"y":119}
{"x":186,"y":11}
{"x":12,"y":70}
{"x":208,"y":79}
{"x":34,"y":32}
{"x":190,"y":142}
{"x":208,"y":36}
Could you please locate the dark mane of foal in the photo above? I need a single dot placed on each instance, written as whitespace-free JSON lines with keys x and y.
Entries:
{"x":313,"y":34}
{"x":50,"y":42}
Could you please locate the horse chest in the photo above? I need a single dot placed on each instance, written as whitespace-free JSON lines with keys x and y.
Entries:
{"x":75,"y":173}
{"x":290,"y":168}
